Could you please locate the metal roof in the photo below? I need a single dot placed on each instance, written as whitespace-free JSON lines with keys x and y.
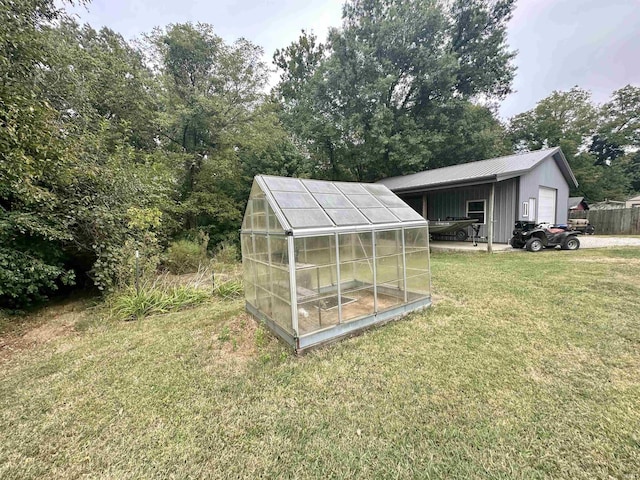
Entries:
{"x":491,"y":170}
{"x":574,"y":202}
{"x":315,"y":206}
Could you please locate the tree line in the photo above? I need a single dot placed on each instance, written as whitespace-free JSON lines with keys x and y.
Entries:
{"x":109,"y":146}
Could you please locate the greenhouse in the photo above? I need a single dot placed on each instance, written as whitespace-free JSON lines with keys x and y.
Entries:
{"x":323,"y":260}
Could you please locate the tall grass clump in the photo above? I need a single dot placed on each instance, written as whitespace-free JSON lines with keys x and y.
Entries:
{"x":230,"y":289}
{"x":129,"y":304}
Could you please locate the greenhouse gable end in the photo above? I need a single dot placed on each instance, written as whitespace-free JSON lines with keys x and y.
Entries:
{"x":323,"y":260}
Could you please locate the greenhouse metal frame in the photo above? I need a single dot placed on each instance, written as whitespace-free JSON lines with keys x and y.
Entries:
{"x":323,"y":260}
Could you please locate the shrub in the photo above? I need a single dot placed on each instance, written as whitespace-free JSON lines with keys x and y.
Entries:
{"x":25,"y":279}
{"x":186,"y":256}
{"x":115,"y":266}
{"x":227,"y":253}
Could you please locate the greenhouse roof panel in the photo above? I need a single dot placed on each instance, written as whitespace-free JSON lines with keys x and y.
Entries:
{"x":303,"y":205}
{"x":343,"y":217}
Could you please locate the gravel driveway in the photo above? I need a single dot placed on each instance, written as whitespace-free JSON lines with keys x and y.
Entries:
{"x":594,"y":241}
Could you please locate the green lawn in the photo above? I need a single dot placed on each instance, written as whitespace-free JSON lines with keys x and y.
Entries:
{"x":527,"y":366}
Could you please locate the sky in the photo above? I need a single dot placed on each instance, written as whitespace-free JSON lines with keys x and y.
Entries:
{"x":594,"y":44}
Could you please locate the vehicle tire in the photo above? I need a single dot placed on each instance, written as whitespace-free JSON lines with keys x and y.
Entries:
{"x":461,"y":235}
{"x":515,"y":243}
{"x":590,"y":230}
{"x":534,"y":244}
{"x":571,"y":243}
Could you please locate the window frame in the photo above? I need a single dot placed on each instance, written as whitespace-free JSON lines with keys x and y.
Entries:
{"x":484,"y":210}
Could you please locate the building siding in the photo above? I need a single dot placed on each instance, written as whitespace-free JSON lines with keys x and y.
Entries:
{"x":453,"y":203}
{"x":546,"y":174}
{"x":506,"y":209}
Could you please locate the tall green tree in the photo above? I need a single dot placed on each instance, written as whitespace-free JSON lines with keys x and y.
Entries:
{"x":619,"y":133}
{"x":35,"y":157}
{"x":566,"y":119}
{"x":572,"y":121}
{"x":213,"y":110}
{"x":79,"y":190}
{"x":388,"y":91}
{"x":96,"y":75}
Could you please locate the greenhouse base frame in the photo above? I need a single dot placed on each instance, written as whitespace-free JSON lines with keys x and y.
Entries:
{"x":343,"y":330}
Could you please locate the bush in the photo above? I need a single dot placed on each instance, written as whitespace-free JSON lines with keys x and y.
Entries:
{"x":115,"y":266}
{"x":227,"y":253}
{"x":25,"y":279}
{"x":186,"y":256}
{"x":131,"y":305}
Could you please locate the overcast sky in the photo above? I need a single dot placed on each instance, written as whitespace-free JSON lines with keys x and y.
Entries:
{"x":591,"y":43}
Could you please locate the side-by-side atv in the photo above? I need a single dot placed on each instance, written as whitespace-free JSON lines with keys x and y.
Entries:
{"x":535,"y":237}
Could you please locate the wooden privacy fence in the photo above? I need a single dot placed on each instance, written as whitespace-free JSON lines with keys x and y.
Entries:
{"x":619,"y":221}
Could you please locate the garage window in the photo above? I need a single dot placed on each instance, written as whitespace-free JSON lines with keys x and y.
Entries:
{"x":476,"y":209}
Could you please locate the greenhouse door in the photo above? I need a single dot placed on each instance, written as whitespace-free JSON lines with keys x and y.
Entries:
{"x":546,"y":205}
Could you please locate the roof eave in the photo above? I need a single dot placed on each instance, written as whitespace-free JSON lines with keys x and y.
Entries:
{"x":443,"y":185}
{"x":566,"y":171}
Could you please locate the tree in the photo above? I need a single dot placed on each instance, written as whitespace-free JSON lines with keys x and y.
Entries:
{"x":619,"y":134}
{"x":213,"y":109}
{"x":35,"y":158}
{"x":565,"y":119}
{"x":570,"y":120}
{"x":620,"y":122}
{"x":79,"y":191}
{"x":377,"y":98}
{"x":96,"y":75}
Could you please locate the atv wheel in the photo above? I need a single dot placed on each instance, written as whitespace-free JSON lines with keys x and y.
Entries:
{"x":590,"y":230}
{"x":515,"y":243}
{"x":534,"y":244}
{"x":461,"y":235}
{"x":571,"y":243}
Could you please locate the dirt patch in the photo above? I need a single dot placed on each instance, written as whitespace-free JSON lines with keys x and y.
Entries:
{"x":236,"y":338}
{"x":49,"y":325}
{"x":243,"y":330}
{"x":437,"y":298}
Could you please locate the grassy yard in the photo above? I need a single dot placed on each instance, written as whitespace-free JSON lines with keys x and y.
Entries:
{"x":527,"y":366}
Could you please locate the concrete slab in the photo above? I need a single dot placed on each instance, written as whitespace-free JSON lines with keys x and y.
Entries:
{"x":586,"y":241}
{"x":442,"y":246}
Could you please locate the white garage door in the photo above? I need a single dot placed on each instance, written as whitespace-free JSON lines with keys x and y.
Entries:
{"x":546,"y":205}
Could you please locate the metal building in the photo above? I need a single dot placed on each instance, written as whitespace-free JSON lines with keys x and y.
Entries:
{"x":323,"y":260}
{"x":532,"y":186}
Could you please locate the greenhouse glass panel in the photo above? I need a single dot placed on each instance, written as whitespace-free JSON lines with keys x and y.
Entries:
{"x":300,"y":218}
{"x":406,"y":213}
{"x":352,"y":188}
{"x":379,"y":215}
{"x":356,"y":275}
{"x":391,"y":201}
{"x":333,"y":201}
{"x":283,"y":184}
{"x":322,"y":260}
{"x":342,"y":217}
{"x":364,"y":201}
{"x":318,"y":186}
{"x":294,"y":200}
